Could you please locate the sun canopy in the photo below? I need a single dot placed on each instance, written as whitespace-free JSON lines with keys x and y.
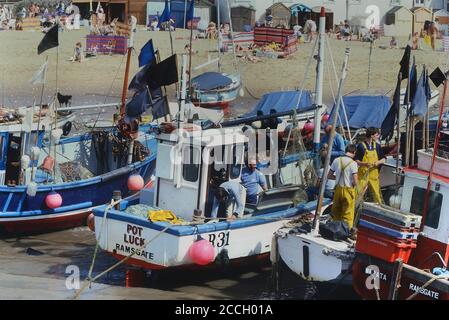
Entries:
{"x":364,"y":111}
{"x":282,"y":101}
{"x":211,"y":81}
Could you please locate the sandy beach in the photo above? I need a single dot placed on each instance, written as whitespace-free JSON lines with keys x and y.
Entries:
{"x":101,"y":79}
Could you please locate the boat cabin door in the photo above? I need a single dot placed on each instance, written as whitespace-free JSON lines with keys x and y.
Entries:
{"x":3,"y":151}
{"x":13,"y":148}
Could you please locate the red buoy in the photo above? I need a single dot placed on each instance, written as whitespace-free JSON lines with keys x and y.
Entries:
{"x":135,"y":182}
{"x":53,"y":200}
{"x":202,"y":252}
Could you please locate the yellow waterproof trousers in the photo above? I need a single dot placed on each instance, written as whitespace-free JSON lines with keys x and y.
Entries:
{"x":343,"y":207}
{"x":370,"y":179}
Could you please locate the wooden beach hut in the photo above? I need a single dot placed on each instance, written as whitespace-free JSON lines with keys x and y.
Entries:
{"x":243,"y":18}
{"x":300,"y":13}
{"x":420,"y":16}
{"x":398,"y":22}
{"x":119,"y":9}
{"x":443,"y":20}
{"x":281,"y":15}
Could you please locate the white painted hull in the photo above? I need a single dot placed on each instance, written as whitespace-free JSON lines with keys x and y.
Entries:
{"x":314,"y":258}
{"x":169,"y":250}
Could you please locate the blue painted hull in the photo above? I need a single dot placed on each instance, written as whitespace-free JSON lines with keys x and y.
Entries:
{"x":22,"y":214}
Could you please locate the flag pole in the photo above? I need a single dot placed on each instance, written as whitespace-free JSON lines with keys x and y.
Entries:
{"x":398,"y":127}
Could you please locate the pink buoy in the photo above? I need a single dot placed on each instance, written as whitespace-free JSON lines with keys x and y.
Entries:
{"x":53,"y":200}
{"x":135,"y":182}
{"x":202,"y":252}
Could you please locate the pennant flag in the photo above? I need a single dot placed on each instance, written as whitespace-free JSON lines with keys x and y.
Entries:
{"x":50,"y":40}
{"x":159,"y":104}
{"x":190,"y":12}
{"x":413,"y":83}
{"x":138,"y":104}
{"x":421,"y":100}
{"x":389,"y":122}
{"x":141,"y":79}
{"x":40,"y":75}
{"x":405,"y":63}
{"x":165,"y":14}
{"x":164,"y":73}
{"x":147,"y":54}
{"x":437,"y":77}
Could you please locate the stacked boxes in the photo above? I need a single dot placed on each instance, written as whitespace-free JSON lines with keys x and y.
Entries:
{"x":387,"y":233}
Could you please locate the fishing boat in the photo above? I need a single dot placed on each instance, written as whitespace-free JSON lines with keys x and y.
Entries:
{"x":132,"y":230}
{"x":416,"y":236}
{"x":47,"y":187}
{"x":215,"y":89}
{"x":49,"y":183}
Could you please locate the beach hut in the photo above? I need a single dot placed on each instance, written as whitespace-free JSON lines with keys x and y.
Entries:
{"x":443,"y":20}
{"x":243,"y":18}
{"x":300,"y":14}
{"x":315,"y":14}
{"x":119,"y":9}
{"x":281,"y":15}
{"x":398,"y":22}
{"x":420,"y":16}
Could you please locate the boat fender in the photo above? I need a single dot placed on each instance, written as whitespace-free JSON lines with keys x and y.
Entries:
{"x":35,"y":151}
{"x":53,"y":200}
{"x":395,"y":201}
{"x":202,"y":252}
{"x":32,"y":189}
{"x":91,"y":222}
{"x":241,"y":92}
{"x":48,"y":163}
{"x":66,"y":128}
{"x":25,"y":161}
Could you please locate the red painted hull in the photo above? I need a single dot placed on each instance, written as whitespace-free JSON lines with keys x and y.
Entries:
{"x":149,"y":266}
{"x":362,"y":279}
{"x":223,"y":105}
{"x":49,"y":223}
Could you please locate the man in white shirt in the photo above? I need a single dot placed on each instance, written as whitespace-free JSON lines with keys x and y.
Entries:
{"x":344,"y":169}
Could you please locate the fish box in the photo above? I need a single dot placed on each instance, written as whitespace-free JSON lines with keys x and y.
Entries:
{"x":425,"y":162}
{"x":388,"y":224}
{"x":391,"y":215}
{"x":395,"y":234}
{"x":383,"y":247}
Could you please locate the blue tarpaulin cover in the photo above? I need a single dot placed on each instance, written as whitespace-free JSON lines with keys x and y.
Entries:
{"x":211,"y":81}
{"x":282,"y":101}
{"x":364,"y":111}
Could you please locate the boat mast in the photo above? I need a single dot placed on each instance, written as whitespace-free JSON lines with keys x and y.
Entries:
{"x":126,"y":78}
{"x":219,"y":43}
{"x":319,"y":87}
{"x":344,"y":72}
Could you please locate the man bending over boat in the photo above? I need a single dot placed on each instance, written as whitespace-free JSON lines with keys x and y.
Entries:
{"x":345,"y":172}
{"x":231,"y":195}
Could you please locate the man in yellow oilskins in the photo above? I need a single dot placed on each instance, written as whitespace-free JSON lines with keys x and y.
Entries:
{"x":369,"y":157}
{"x":344,"y":169}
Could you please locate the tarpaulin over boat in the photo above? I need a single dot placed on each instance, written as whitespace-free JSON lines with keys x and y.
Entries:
{"x":364,"y":111}
{"x":211,"y":81}
{"x":282,"y":101}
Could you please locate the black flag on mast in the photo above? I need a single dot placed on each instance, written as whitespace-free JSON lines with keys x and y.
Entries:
{"x":50,"y":40}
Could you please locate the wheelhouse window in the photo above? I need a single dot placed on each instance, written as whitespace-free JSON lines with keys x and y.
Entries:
{"x":236,"y":166}
{"x":191,"y":164}
{"x":434,"y":206}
